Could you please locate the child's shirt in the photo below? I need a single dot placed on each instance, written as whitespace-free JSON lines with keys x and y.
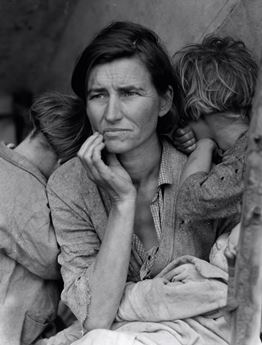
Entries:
{"x":217,"y":194}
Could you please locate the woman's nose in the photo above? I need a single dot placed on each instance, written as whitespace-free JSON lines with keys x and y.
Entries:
{"x":113,"y":110}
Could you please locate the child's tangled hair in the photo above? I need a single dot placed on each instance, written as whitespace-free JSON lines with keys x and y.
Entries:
{"x":63,"y":121}
{"x":217,"y":75}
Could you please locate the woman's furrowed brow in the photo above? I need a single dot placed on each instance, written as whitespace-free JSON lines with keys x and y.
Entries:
{"x":119,"y":88}
{"x":130,"y":87}
{"x":95,"y":89}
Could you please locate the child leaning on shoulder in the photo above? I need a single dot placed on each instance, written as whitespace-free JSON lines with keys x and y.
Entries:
{"x":217,"y":82}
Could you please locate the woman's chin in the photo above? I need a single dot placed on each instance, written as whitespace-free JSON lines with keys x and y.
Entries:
{"x":116,"y":147}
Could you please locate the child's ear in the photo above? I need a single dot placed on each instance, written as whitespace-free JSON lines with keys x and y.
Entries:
{"x":166,"y":102}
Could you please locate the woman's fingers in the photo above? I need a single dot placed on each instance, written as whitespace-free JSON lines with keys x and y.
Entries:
{"x":111,"y":175}
{"x":98,"y":163}
{"x":86,"y":153}
{"x":88,"y":143}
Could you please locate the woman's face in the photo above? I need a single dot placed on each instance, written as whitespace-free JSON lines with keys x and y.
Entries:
{"x":123,"y":104}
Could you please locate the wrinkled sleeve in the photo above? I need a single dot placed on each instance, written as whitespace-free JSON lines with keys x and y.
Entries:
{"x":79,"y":245}
{"x":155,"y":300}
{"x":34,"y":246}
{"x":213,"y":195}
{"x":160,"y":300}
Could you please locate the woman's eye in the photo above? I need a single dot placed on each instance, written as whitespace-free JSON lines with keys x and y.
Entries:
{"x":97,"y":96}
{"x":128,"y":93}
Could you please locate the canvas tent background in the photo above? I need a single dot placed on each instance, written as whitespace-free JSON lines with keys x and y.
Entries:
{"x":41,"y":39}
{"x":177,"y":22}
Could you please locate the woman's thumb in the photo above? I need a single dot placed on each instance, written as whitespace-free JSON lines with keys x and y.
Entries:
{"x":112,"y":160}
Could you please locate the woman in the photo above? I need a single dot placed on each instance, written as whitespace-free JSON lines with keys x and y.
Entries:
{"x":114,"y":211}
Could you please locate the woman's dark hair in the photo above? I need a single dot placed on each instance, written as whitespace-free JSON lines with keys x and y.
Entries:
{"x":63,"y":121}
{"x":127,"y":40}
{"x":217,"y":75}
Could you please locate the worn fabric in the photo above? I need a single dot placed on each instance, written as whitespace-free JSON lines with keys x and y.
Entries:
{"x":217,"y":194}
{"x":28,"y":252}
{"x":160,"y":299}
{"x":64,"y":337}
{"x":80,"y":211}
{"x":162,"y":312}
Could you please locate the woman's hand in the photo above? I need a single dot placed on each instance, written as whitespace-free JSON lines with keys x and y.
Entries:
{"x":112,"y":177}
{"x":184,"y":139}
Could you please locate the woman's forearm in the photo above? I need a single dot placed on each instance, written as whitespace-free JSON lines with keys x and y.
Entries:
{"x":111,"y":266}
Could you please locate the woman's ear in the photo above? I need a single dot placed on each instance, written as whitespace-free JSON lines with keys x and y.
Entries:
{"x":166,"y":102}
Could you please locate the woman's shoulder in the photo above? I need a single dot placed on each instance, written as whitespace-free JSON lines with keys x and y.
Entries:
{"x":174,"y":156}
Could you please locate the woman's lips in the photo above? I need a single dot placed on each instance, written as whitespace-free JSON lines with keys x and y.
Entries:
{"x":114,"y":132}
{"x":109,"y":130}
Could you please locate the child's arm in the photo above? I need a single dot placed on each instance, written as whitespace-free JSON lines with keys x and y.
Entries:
{"x":200,"y":160}
{"x":216,"y":195}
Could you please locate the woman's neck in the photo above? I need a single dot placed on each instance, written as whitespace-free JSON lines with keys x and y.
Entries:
{"x":142,"y":164}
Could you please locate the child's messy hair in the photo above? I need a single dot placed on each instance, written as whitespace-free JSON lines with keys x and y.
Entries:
{"x":63,"y":121}
{"x":217,"y":75}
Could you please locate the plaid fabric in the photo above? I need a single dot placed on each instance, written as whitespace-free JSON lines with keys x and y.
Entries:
{"x":156,"y":207}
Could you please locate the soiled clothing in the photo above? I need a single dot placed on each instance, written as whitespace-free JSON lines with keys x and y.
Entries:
{"x":162,"y":311}
{"x":28,"y":252}
{"x":80,"y":212}
{"x":217,"y":194}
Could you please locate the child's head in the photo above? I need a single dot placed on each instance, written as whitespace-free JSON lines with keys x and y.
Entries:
{"x":63,"y":122}
{"x":217,"y":75}
{"x":225,"y":248}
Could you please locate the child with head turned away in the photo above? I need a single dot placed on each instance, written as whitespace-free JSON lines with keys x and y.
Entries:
{"x":217,"y":81}
{"x":29,"y":271}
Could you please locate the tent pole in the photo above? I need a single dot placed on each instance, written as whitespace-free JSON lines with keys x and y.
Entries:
{"x":245,"y":289}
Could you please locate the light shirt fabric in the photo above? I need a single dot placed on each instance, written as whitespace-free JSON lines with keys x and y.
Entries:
{"x":28,"y":252}
{"x":80,"y":212}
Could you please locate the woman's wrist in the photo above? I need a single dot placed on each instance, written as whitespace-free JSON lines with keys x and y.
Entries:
{"x":126,"y":201}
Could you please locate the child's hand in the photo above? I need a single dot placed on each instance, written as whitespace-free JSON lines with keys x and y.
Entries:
{"x":9,"y":145}
{"x":183,"y":273}
{"x":232,"y":246}
{"x":184,"y":139}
